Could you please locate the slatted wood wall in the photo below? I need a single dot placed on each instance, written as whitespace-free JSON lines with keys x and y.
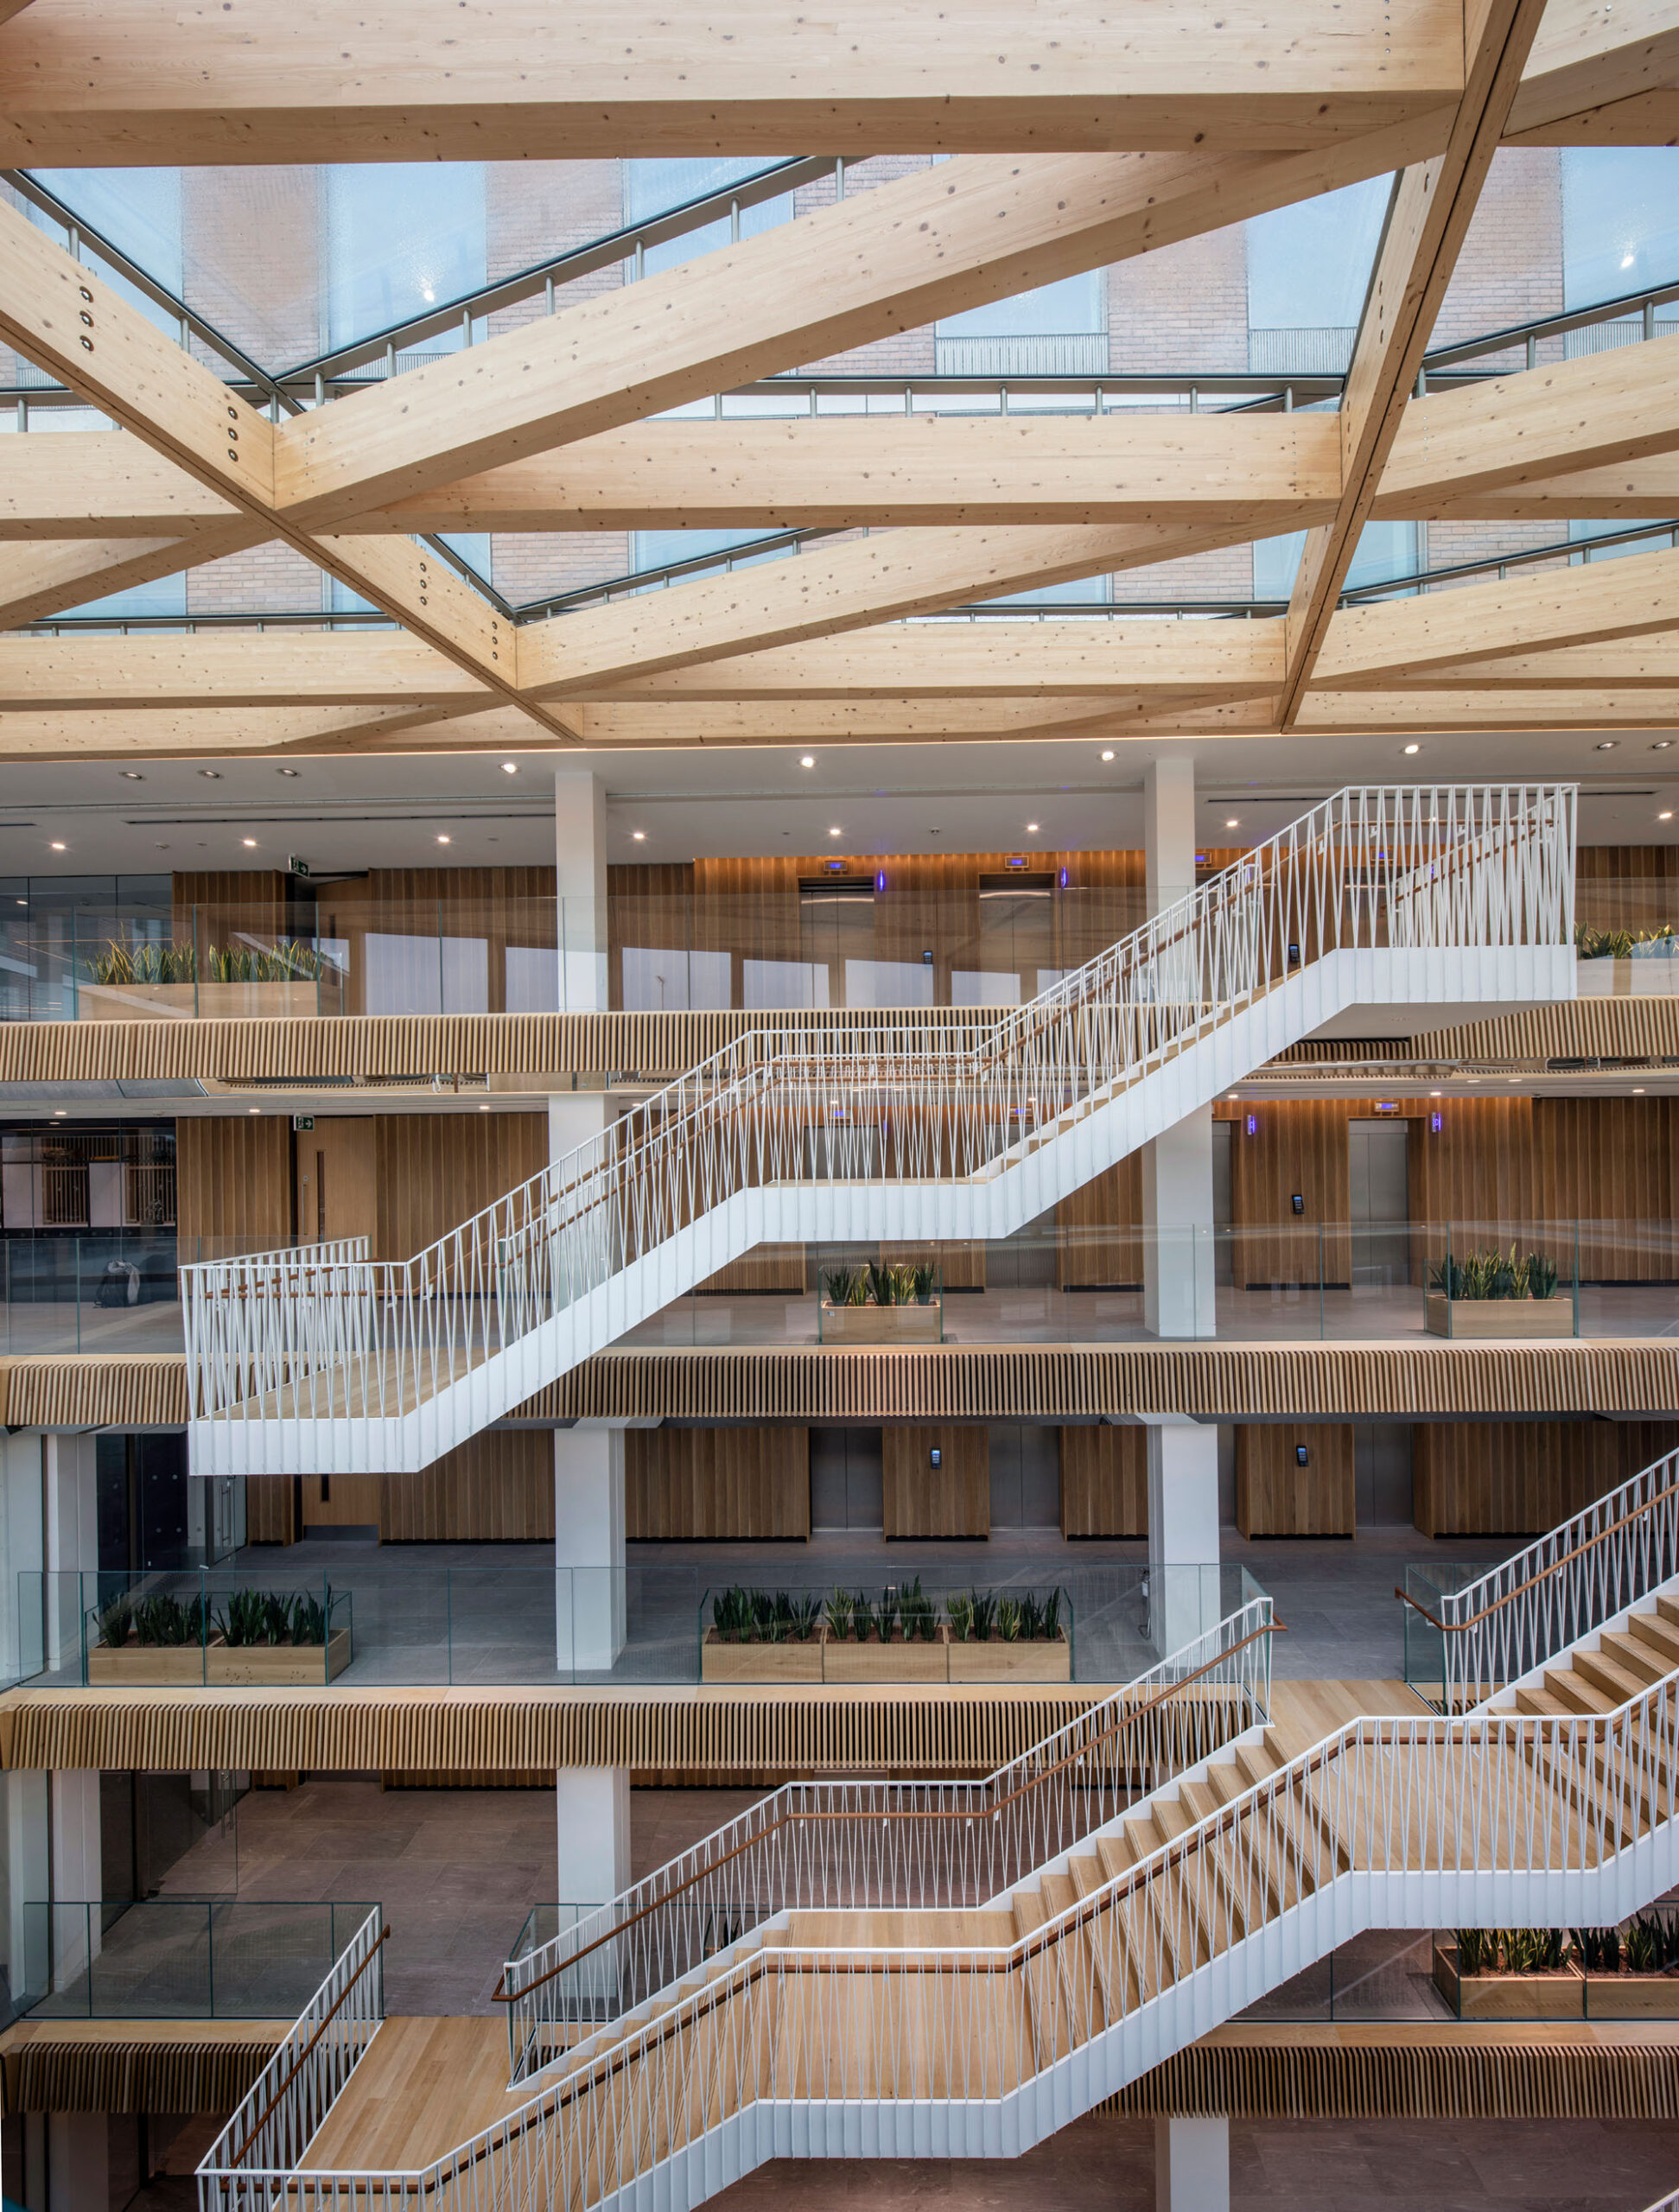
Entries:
{"x":233,"y":1182}
{"x":1552,"y":1162}
{"x":1098,"y":1242}
{"x":498,"y":1488}
{"x":500,"y":906}
{"x":1299,"y":1145}
{"x":437,"y":1169}
{"x":952,"y":1499}
{"x":1519,"y":1478}
{"x":1276,"y":1496}
{"x":226,"y":901}
{"x":750,"y":1483}
{"x":1105,"y":1481}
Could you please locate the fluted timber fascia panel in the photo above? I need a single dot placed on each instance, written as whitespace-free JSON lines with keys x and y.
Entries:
{"x":1303,"y":2073}
{"x":197,"y":2068}
{"x":990,"y":1382}
{"x":504,"y":1731}
{"x":1073,"y":1382}
{"x":387,"y":1048}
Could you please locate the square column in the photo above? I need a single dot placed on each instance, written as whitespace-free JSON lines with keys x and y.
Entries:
{"x":1191,"y":2165}
{"x":1177,"y":1167}
{"x":594,"y":1811}
{"x":1183,"y":1530}
{"x":70,"y":1545}
{"x":580,"y":889}
{"x":589,"y":1596}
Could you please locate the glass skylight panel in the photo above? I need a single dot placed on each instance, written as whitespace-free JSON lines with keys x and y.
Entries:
{"x":1620,"y":221}
{"x":654,"y":186}
{"x":1308,"y":272}
{"x":401,"y":237}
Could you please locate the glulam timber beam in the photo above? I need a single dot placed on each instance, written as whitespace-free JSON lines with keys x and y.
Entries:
{"x":828,"y":589}
{"x":224,"y":669}
{"x":1388,"y":643}
{"x":970,"y":230}
{"x":992,"y":659}
{"x":1562,"y":709}
{"x":835,"y":721}
{"x":39,"y":580}
{"x":1549,"y":441}
{"x":63,"y":318}
{"x":127,"y":734}
{"x":131,"y":81}
{"x":1428,"y":219}
{"x":1629,"y":664}
{"x":1600,"y":73}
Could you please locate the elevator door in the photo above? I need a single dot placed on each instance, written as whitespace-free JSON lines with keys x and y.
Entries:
{"x":847,"y":1489}
{"x":1379,"y":1190}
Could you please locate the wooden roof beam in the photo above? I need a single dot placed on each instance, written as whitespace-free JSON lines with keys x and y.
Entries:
{"x":973,"y":230}
{"x":829,"y":590}
{"x":103,"y":81}
{"x":1427,"y":224}
{"x":227,"y":669}
{"x":1600,"y":73}
{"x":1393,"y":641}
{"x":61,"y":316}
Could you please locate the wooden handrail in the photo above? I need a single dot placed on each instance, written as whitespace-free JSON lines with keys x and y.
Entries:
{"x":1533,"y":1581}
{"x":499,"y":1995}
{"x":320,"y":2029}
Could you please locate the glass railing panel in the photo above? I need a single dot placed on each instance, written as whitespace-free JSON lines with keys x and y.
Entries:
{"x":179,"y":1958}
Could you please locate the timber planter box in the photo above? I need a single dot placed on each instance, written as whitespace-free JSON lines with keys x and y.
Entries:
{"x":1046,"y":1660}
{"x":1631,"y":1997}
{"x":1479,"y":1319}
{"x":882,"y":1325}
{"x":208,"y":1002}
{"x":897,"y":1662}
{"x":255,"y":1666}
{"x":760,"y":1662}
{"x":1560,"y":1996}
{"x":1627,"y":979}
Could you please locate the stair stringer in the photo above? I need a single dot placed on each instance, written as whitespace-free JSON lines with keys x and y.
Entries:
{"x":1015,"y":1188}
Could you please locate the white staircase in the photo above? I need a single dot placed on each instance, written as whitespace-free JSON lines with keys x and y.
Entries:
{"x":976,"y":2031}
{"x":1379,"y":899}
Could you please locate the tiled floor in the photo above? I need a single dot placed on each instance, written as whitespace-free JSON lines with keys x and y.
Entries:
{"x":456,"y":1871}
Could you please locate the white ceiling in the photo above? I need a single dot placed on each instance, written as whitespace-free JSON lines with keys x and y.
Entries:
{"x":390,"y":810}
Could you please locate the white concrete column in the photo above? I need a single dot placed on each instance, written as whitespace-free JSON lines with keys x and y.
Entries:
{"x":579,"y":887}
{"x":78,"y":2161}
{"x":71,"y":1534}
{"x":1183,"y":1530}
{"x":78,"y":1872}
{"x":594,"y":1805}
{"x":27,"y":1879}
{"x":1191,"y":2165}
{"x":575,"y":1117}
{"x":22,"y":1553}
{"x":589,"y":1548}
{"x":1177,"y":1167}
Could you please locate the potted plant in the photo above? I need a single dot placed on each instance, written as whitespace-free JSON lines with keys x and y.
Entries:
{"x":880,"y":1305}
{"x":1510,"y":1974}
{"x":760,"y":1636}
{"x":1016,"y":1637}
{"x":1484,"y":1294}
{"x":894,"y":1638}
{"x":258,"y":1638}
{"x":1626,"y":963}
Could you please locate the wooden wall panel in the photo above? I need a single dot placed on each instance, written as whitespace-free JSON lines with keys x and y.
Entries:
{"x":1099,"y":1245}
{"x":270,"y":1509}
{"x":1276,"y":1496}
{"x":1105,"y":1481}
{"x":1519,"y":1478}
{"x":342,"y":1500}
{"x":434,"y":1170}
{"x":1298,"y":1145}
{"x":233,"y":1182}
{"x":336,"y":1165}
{"x":1626,"y":887}
{"x":688,"y":1485}
{"x":765,"y":1267}
{"x":952,"y":1499}
{"x":1532,"y":1167}
{"x":226,"y":901}
{"x":498,"y":1488}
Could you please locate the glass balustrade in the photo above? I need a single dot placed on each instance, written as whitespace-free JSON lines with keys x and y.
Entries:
{"x":376,"y":1620}
{"x":170,"y":1958}
{"x":1077,"y":1281}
